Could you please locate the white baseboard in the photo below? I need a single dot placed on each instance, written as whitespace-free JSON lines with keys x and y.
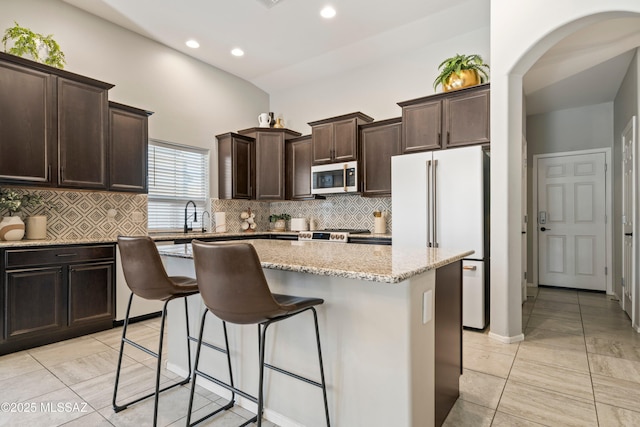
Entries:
{"x":506,"y":340}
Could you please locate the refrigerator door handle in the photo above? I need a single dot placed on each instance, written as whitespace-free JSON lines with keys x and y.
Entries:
{"x":428,"y":203}
{"x":434,"y":216}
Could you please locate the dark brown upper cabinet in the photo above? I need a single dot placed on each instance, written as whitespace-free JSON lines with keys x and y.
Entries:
{"x":446,"y":120}
{"x":236,"y":171}
{"x":378,"y":142}
{"x":298,"y":161}
{"x":269,"y":161}
{"x":128,"y":148}
{"x":336,"y":139}
{"x":53,"y":130}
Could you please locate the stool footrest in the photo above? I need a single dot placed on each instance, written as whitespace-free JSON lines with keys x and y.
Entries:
{"x":227,"y":386}
{"x":291,"y":374}
{"x":118,"y":408}
{"x":226,"y":407}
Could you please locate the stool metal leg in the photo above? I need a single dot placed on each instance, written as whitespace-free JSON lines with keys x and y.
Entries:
{"x":324,"y":386}
{"x":117,"y":408}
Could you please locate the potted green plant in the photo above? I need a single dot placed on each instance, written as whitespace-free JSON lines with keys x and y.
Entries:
{"x":12,"y":227}
{"x":27,"y":42}
{"x":461,"y":71}
{"x":279,"y":221}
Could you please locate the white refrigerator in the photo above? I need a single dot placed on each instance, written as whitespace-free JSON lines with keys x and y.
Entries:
{"x":440,"y":199}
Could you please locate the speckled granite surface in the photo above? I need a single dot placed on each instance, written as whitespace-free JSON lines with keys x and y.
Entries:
{"x":156,"y":236}
{"x":376,"y":263}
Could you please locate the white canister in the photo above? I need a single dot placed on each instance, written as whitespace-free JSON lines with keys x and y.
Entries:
{"x":380,"y":225}
{"x":299,"y":224}
{"x":221,"y":222}
{"x":36,"y":227}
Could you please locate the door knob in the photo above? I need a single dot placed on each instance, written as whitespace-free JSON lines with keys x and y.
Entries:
{"x":544,"y":229}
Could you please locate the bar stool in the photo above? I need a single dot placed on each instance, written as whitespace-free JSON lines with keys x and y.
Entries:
{"x":233,"y":287}
{"x":146,"y":277}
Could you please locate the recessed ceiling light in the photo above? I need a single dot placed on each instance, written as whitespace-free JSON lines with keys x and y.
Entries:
{"x":237,"y":52}
{"x":328,"y":12}
{"x":192,"y":44}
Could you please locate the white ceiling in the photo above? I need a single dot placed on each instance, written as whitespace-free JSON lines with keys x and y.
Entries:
{"x":289,"y":44}
{"x":289,"y":41}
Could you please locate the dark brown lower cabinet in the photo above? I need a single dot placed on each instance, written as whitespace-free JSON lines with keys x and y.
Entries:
{"x":51,"y":294}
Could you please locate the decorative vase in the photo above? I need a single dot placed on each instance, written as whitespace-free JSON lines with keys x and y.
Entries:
{"x":465,"y":79}
{"x":36,"y":227}
{"x":279,"y":123}
{"x":11,"y":228}
{"x":280,"y":225}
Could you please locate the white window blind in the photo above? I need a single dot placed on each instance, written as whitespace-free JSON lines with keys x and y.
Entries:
{"x":177,"y":174}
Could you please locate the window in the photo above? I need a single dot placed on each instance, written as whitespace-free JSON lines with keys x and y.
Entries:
{"x":177,"y":174}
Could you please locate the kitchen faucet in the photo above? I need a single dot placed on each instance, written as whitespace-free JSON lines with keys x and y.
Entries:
{"x":204,"y":223}
{"x":195,"y":216}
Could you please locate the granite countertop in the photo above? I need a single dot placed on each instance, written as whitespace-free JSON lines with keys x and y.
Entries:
{"x":160,"y":237}
{"x":377,"y":263}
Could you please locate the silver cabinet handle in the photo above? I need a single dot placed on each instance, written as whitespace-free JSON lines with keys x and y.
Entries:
{"x":429,"y":219}
{"x":470,"y":267}
{"x":435,"y":206}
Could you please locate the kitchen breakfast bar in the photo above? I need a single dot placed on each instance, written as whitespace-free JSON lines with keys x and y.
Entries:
{"x":390,"y":328}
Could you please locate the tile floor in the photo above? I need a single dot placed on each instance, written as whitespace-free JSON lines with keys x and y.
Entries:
{"x":578,"y":366}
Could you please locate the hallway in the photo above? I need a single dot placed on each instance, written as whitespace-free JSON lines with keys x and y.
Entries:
{"x":579,"y":365}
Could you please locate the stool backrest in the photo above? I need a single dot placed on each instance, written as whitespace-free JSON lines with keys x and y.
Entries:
{"x":232,"y":283}
{"x":143,"y":268}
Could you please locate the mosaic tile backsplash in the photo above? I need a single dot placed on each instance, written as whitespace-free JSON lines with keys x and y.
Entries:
{"x":336,"y":211}
{"x":83,"y":214}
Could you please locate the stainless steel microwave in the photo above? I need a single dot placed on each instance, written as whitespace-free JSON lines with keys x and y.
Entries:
{"x":334,"y":178}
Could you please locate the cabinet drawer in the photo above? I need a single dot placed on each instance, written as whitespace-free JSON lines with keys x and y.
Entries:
{"x":62,"y":255}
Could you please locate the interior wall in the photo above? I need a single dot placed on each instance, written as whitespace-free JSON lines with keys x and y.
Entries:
{"x":376,"y":88}
{"x":625,"y":106}
{"x":558,"y":131}
{"x":192,"y":101}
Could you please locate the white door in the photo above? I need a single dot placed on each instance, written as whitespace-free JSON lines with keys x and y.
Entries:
{"x":572,"y":221}
{"x":628,"y":218}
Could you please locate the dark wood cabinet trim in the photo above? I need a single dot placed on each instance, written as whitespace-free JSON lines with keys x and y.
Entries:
{"x":357,"y":115}
{"x":442,"y":95}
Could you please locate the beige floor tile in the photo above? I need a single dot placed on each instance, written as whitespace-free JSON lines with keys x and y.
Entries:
{"x":223,"y":419}
{"x":557,"y":306}
{"x":553,"y":356}
{"x":135,"y":332}
{"x":488,"y":362}
{"x":558,"y":295}
{"x":609,"y":345}
{"x":50,"y":409}
{"x":66,"y":351}
{"x":481,"y":341}
{"x":611,"y":312}
{"x":172,"y":407}
{"x":597,"y":299}
{"x":554,"y":338}
{"x":525,"y":320}
{"x":553,"y":324}
{"x":16,"y":364}
{"x":560,"y":380}
{"x":557,"y":314}
{"x":88,"y":367}
{"x":545,"y":406}
{"x":467,"y":414}
{"x":505,"y":420}
{"x":29,"y":386}
{"x":611,"y":416}
{"x":481,"y":389}
{"x":94,"y":419}
{"x":615,"y":367}
{"x":615,"y":392}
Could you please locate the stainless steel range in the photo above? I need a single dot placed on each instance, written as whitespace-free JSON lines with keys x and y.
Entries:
{"x":338,"y":235}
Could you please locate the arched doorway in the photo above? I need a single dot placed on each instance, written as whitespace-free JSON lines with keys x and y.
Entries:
{"x":518,"y":39}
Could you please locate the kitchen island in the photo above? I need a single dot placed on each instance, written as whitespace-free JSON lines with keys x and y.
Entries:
{"x":390,"y":328}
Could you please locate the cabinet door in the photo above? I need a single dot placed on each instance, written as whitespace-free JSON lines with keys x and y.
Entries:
{"x":127,"y":151}
{"x":242,"y":186}
{"x":421,"y":127}
{"x":90,"y":293}
{"x":466,"y":119}
{"x":35,"y":303}
{"x":299,"y":170}
{"x":27,"y":126}
{"x":82,"y":135}
{"x":270,"y":160}
{"x":378,"y":144}
{"x":322,"y":143}
{"x":345,"y":138}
